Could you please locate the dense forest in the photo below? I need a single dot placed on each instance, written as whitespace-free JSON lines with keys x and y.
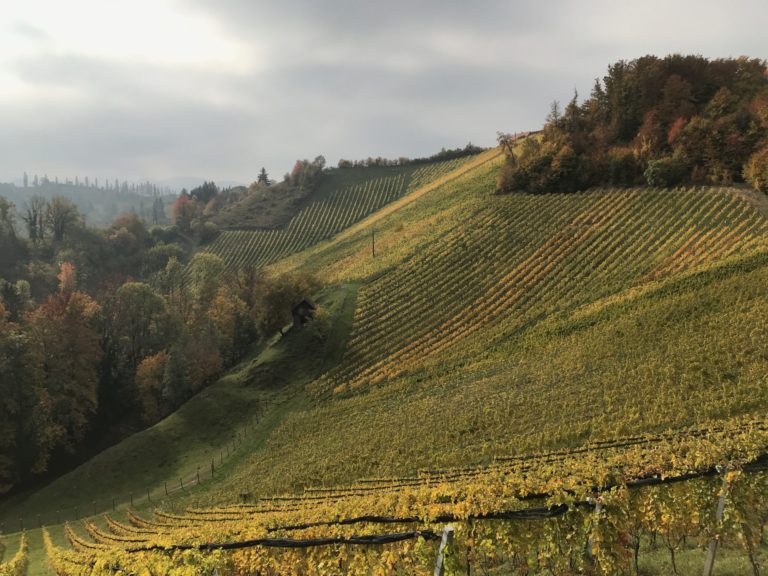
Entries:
{"x":106,"y":330}
{"x":659,"y":121}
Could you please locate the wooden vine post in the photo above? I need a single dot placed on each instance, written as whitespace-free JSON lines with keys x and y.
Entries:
{"x":446,"y":541}
{"x":710,"y":563}
{"x":596,"y":518}
{"x":373,"y":242}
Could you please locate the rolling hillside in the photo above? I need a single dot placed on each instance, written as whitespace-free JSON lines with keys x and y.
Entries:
{"x":344,"y":198}
{"x":494,"y":348}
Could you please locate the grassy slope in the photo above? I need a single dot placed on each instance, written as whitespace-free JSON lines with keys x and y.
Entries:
{"x":273,"y":207}
{"x":597,"y":315}
{"x":174,"y":448}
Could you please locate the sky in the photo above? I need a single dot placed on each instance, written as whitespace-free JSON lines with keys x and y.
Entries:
{"x":178,"y":91}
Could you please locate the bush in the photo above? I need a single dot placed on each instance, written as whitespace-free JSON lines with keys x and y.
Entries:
{"x":665,"y":172}
{"x":756,"y":170}
{"x":623,"y":169}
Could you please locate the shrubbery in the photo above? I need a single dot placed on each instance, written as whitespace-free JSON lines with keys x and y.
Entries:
{"x":756,"y":170}
{"x":665,"y":172}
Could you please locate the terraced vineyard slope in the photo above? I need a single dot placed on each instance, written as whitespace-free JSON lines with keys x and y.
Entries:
{"x":388,"y":525}
{"x":528,"y":256}
{"x":490,"y":325}
{"x":518,"y":357}
{"x":323,"y":217}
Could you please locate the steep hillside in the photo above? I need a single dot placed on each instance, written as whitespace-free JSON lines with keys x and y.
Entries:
{"x":500,"y":346}
{"x":344,"y":197}
{"x":483,"y":320}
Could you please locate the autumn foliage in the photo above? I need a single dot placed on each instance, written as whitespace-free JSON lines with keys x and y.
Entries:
{"x":756,"y":170}
{"x":655,"y":121}
{"x":70,"y":362}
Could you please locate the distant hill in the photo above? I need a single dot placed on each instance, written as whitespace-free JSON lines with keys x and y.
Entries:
{"x":99,"y":205}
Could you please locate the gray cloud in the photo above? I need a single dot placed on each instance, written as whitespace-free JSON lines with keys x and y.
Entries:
{"x":29,"y":30}
{"x":341,"y":78}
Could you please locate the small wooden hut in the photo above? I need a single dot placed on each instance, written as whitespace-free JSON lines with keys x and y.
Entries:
{"x":303,"y":312}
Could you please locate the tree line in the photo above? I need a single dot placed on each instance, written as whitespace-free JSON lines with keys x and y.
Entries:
{"x":105,"y":185}
{"x":99,"y":202}
{"x":104,"y":331}
{"x":656,"y":121}
{"x":444,"y":154}
{"x":194,"y":212}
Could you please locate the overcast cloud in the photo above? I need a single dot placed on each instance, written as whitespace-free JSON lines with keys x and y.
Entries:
{"x":216,"y":89}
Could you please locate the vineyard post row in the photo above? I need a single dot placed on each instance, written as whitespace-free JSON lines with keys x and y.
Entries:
{"x":549,"y":511}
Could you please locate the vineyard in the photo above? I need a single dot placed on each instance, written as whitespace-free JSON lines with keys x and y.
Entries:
{"x":576,"y":383}
{"x":483,"y":338}
{"x":589,"y":510}
{"x":325,"y":217}
{"x":16,"y":566}
{"x":526,"y":257}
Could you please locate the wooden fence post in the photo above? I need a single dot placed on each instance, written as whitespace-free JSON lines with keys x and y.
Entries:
{"x":198,"y":475}
{"x":149,"y":498}
{"x":710,"y":563}
{"x":444,"y":543}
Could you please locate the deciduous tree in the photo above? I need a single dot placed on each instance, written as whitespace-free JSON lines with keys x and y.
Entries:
{"x":149,"y":385}
{"x":64,"y":328}
{"x":61,"y":216}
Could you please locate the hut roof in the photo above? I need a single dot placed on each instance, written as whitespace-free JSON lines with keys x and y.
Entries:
{"x":304,"y":304}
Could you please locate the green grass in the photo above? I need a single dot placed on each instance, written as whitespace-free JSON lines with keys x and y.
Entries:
{"x":654,"y":560}
{"x":38,"y":565}
{"x":730,"y":560}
